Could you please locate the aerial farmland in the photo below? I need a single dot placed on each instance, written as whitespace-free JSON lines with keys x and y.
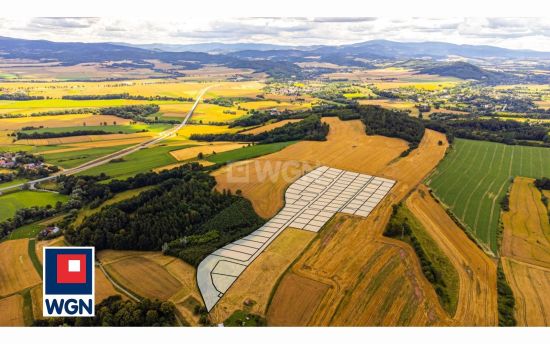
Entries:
{"x":379,"y":183}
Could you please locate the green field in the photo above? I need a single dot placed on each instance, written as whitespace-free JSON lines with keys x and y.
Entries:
{"x":13,"y":201}
{"x":13,"y":182}
{"x":76,"y":158}
{"x":115,"y":129}
{"x":143,"y":160}
{"x":474,"y":177}
{"x":29,"y":148}
{"x":248,"y":152}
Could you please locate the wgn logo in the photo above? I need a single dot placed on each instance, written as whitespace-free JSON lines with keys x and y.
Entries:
{"x":69,"y":282}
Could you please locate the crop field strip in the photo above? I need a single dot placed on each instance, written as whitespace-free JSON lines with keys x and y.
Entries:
{"x":310,"y":202}
{"x":525,"y":253}
{"x":474,"y":177}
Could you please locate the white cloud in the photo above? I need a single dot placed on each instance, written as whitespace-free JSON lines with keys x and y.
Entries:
{"x":525,"y":33}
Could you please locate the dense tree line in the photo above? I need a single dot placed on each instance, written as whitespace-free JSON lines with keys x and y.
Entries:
{"x":21,"y":135}
{"x":174,"y":209}
{"x":310,"y":128}
{"x":133,"y":112}
{"x":49,"y":113}
{"x":508,"y":132}
{"x":505,"y":300}
{"x":257,"y":118}
{"x":19,"y":96}
{"x":113,"y":311}
{"x":123,"y":96}
{"x":234,"y":222}
{"x":543,"y":183}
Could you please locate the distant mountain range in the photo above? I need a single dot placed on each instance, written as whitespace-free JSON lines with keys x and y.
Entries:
{"x":275,"y":60}
{"x":375,"y":48}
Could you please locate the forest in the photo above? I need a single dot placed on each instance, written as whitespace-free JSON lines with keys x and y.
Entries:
{"x":186,"y":207}
{"x":508,"y":132}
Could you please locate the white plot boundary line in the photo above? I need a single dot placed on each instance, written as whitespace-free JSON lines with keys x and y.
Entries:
{"x":310,"y":202}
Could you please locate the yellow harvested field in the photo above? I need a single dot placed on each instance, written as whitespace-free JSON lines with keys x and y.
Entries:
{"x":86,"y":138}
{"x":216,"y":147}
{"x":374,"y":281}
{"x":259,"y":279}
{"x":530,"y":284}
{"x":278,"y":105}
{"x":383,"y":284}
{"x":235,"y":89}
{"x":59,"y":121}
{"x":295,"y":300}
{"x":214,"y":113}
{"x":11,"y":311}
{"x":526,"y":226}
{"x":143,"y":277}
{"x":264,"y":180}
{"x":104,"y":288}
{"x":143,"y":87}
{"x":188,"y":130}
{"x":477,"y":299}
{"x":525,"y":253}
{"x":392,"y":105}
{"x":39,"y":247}
{"x":175,"y":110}
{"x":270,"y":126}
{"x":154,"y":275}
{"x":16,"y":269}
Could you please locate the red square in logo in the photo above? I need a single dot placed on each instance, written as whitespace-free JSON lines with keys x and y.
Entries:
{"x":71,"y":268}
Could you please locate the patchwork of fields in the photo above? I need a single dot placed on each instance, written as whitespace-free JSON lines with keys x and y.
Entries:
{"x":475,"y":176}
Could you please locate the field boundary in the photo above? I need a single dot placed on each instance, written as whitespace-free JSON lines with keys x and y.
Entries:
{"x":462,"y":225}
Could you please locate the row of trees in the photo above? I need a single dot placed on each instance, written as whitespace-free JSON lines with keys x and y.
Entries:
{"x":310,"y":128}
{"x":508,"y":132}
{"x":133,"y":112}
{"x":21,"y":135}
{"x":19,"y":96}
{"x":113,"y":311}
{"x":124,"y":96}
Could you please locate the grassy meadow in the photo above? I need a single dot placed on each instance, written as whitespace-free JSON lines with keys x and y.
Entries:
{"x":143,"y":160}
{"x":13,"y":201}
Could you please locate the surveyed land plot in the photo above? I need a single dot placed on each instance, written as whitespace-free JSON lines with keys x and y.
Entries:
{"x":475,"y":176}
{"x":310,"y":202}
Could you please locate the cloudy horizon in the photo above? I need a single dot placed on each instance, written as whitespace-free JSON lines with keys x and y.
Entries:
{"x":513,"y":33}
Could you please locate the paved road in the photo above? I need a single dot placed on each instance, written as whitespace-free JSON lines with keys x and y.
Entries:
{"x":121,"y":153}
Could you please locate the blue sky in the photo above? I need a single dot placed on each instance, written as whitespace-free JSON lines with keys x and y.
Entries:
{"x":516,"y":33}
